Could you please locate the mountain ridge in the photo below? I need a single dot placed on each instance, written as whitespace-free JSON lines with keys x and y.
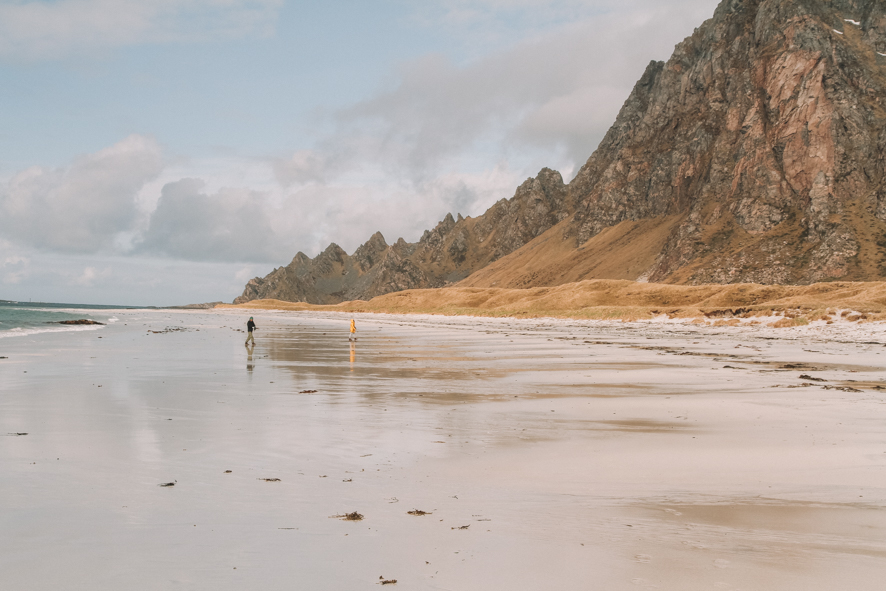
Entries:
{"x":753,"y":154}
{"x":448,"y":253}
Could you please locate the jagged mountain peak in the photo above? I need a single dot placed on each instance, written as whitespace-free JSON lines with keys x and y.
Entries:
{"x":765,"y":116}
{"x":455,"y":248}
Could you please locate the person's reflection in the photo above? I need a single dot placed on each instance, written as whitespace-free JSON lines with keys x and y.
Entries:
{"x":353,"y":354}
{"x":249,"y":363}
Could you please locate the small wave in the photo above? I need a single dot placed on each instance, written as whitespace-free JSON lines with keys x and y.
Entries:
{"x":74,"y":310}
{"x":23,"y":332}
{"x":113,"y":319}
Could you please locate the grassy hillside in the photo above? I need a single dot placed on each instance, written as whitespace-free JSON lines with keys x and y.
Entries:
{"x":628,"y":300}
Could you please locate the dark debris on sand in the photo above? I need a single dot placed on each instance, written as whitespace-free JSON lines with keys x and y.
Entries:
{"x":810,"y":378}
{"x":842,"y":388}
{"x":170,"y":329}
{"x":270,"y":479}
{"x":308,"y":392}
{"x":418,"y":512}
{"x":166,"y":484}
{"x":348,"y":517}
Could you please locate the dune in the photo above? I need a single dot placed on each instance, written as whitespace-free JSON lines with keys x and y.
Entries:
{"x":629,"y":300}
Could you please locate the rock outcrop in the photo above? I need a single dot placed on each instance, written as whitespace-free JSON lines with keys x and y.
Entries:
{"x":765,"y":132}
{"x":754,"y":154}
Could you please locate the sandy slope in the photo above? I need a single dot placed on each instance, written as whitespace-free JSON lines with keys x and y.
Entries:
{"x":627,"y":300}
{"x":623,"y":251}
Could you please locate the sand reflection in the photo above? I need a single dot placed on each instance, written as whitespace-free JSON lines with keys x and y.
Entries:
{"x":564,"y":456}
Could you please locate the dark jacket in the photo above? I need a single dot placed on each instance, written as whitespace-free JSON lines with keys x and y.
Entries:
{"x":250,"y":326}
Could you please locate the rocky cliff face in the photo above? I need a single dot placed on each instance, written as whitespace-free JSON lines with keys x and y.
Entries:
{"x":754,"y":154}
{"x":765,"y":132}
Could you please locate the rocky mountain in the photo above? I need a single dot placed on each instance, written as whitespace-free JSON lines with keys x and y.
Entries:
{"x":754,"y":154}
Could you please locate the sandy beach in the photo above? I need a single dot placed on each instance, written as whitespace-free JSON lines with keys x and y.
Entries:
{"x":546,"y":454}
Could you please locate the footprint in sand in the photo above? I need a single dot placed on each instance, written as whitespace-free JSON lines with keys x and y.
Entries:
{"x":644,"y":558}
{"x":721,"y":563}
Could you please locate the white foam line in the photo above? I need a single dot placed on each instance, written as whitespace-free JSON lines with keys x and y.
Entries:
{"x":837,"y":32}
{"x":883,"y":54}
{"x":83,"y":310}
{"x":849,"y":20}
{"x":23,"y":332}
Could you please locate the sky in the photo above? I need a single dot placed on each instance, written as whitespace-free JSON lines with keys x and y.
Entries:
{"x":164,"y":152}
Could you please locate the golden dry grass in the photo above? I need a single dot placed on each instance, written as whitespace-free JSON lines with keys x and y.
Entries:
{"x":627,"y":300}
{"x":623,"y":251}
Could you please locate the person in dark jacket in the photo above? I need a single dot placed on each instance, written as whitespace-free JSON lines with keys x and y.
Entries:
{"x":250,"y":326}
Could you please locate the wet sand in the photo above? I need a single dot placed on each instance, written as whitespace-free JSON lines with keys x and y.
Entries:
{"x":579,"y":454}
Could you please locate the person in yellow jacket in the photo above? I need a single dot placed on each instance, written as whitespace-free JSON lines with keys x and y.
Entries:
{"x":353,"y":336}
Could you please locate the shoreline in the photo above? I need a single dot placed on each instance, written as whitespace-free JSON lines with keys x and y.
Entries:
{"x":547,"y":453}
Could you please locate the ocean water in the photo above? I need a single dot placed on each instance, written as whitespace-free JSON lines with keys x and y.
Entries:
{"x":25,"y":318}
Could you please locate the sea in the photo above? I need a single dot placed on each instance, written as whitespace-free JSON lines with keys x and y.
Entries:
{"x":27,"y":318}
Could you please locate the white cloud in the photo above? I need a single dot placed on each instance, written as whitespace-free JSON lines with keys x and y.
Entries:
{"x":444,"y":137}
{"x":469,"y":194}
{"x":83,"y":207}
{"x":14,"y":260}
{"x":348,"y":214}
{"x":449,"y":137}
{"x":14,"y":267}
{"x":487,"y":25}
{"x":245,"y":274}
{"x":90,"y":274}
{"x":545,"y":101}
{"x":535,"y":83}
{"x":304,"y":166}
{"x":231,"y":224}
{"x":124,"y":200}
{"x":496,"y":12}
{"x":238,"y":224}
{"x":38,"y":29}
{"x":51,"y":277}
